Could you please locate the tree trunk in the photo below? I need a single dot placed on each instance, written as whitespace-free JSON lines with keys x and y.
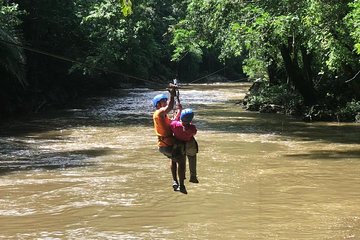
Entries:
{"x":271,"y":70}
{"x":302,"y":84}
{"x":307,"y":60}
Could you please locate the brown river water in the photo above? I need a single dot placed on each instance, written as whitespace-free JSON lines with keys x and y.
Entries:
{"x":92,"y":171}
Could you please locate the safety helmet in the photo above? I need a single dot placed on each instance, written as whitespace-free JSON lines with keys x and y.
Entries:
{"x":158,"y":98}
{"x":187,"y":115}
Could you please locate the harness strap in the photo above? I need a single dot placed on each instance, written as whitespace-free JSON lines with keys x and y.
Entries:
{"x":162,"y":138}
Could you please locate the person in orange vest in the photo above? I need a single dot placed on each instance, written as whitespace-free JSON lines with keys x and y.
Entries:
{"x":166,"y":140}
{"x":184,"y":131}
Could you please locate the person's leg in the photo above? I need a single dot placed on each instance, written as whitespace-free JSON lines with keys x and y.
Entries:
{"x":179,"y":157}
{"x":185,"y":167}
{"x":181,"y":173}
{"x":173,"y":169}
{"x":181,"y":170}
{"x":192,"y":168}
{"x":167,"y":151}
{"x":191,"y":152}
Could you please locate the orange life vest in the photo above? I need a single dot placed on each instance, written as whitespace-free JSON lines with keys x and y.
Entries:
{"x":162,"y":128}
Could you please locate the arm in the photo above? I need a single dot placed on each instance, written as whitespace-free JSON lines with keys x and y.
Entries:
{"x":170,"y":104}
{"x":195,"y":130}
{"x":178,"y":112}
{"x":190,"y":129}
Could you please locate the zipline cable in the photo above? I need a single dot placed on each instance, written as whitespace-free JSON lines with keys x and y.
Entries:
{"x":75,"y":61}
{"x":67,"y":59}
{"x":198,"y":79}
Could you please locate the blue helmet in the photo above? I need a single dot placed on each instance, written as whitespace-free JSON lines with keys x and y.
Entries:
{"x":158,"y":98}
{"x":187,"y":115}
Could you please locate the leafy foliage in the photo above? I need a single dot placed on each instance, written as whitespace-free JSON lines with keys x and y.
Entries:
{"x":126,"y":7}
{"x":12,"y":58}
{"x":133,"y":43}
{"x":349,"y":112}
{"x":280,"y":95}
{"x":353,"y":23}
{"x":307,"y":47}
{"x":305,"y":44}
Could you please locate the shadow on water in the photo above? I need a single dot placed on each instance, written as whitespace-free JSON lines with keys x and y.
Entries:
{"x":219,"y":119}
{"x":25,"y":158}
{"x":25,"y":144}
{"x":212,"y":118}
{"x":332,"y":155}
{"x":64,"y":119}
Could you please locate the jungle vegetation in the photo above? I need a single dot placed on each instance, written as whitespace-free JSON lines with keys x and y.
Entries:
{"x":304,"y":55}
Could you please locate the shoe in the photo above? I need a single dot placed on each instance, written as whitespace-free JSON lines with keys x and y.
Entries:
{"x":182,"y":189}
{"x":194,"y":179}
{"x":175,"y":186}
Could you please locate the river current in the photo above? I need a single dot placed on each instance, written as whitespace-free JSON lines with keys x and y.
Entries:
{"x":93,"y":171}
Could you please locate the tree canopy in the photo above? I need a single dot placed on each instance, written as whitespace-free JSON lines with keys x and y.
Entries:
{"x":311,"y":46}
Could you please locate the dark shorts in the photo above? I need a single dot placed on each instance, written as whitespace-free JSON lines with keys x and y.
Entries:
{"x":191,"y":147}
{"x":175,"y":153}
{"x":167,"y":151}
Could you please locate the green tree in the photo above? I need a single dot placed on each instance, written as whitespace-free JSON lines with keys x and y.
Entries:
{"x":135,"y":44}
{"x":12,"y":58}
{"x":353,"y":23}
{"x":283,"y":40}
{"x":50,"y":33}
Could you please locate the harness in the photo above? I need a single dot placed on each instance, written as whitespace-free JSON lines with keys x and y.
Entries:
{"x":162,"y":139}
{"x":178,"y":148}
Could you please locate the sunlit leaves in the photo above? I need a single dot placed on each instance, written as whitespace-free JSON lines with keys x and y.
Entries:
{"x":127,"y":42}
{"x":186,"y":42}
{"x":259,"y":28}
{"x":353,"y":23}
{"x":126,"y":7}
{"x":327,"y":35}
{"x":9,"y":16}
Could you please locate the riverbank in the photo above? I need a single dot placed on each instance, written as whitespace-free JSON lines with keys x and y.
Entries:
{"x":284,"y":100}
{"x":24,"y":103}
